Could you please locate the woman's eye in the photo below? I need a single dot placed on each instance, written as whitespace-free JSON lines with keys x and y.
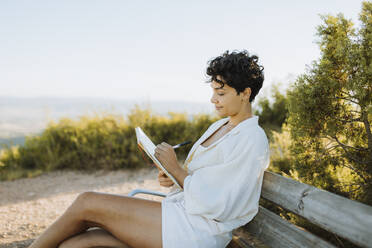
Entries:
{"x":220,"y":94}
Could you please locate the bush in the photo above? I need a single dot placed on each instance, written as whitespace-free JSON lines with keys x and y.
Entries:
{"x":100,"y":142}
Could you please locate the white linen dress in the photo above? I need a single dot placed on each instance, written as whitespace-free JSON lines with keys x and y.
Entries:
{"x":222,"y":189}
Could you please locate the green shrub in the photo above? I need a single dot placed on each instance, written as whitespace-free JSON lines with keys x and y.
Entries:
{"x":101,"y":142}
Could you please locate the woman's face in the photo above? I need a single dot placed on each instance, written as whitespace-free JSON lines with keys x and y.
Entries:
{"x":226,"y":101}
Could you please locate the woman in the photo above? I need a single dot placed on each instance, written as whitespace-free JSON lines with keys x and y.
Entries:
{"x":221,"y":180}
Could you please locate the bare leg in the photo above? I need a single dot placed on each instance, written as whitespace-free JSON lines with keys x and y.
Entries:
{"x":93,"y":238}
{"x":134,"y":221}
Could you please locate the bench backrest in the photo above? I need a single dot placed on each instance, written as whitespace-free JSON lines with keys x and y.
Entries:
{"x":346,"y":218}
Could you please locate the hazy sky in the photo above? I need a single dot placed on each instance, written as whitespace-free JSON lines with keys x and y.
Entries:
{"x":151,"y":50}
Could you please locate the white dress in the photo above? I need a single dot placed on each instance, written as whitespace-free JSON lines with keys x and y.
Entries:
{"x":222,"y":189}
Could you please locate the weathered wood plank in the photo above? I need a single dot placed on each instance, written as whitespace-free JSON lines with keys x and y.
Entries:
{"x":234,"y":244}
{"x":243,"y":239}
{"x":274,"y":231}
{"x":349,"y":219}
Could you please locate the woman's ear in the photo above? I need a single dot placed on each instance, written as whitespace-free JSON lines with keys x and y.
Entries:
{"x":247,"y":94}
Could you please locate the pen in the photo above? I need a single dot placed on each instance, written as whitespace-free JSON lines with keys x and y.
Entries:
{"x":182,"y":144}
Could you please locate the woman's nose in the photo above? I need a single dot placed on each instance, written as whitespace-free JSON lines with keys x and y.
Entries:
{"x":213,"y":99}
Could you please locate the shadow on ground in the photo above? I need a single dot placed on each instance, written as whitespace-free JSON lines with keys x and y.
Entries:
{"x":17,"y":244}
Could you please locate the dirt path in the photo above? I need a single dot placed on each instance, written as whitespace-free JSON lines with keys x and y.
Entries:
{"x":28,"y":206}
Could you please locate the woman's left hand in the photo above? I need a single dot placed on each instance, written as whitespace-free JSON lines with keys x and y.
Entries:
{"x":167,"y":157}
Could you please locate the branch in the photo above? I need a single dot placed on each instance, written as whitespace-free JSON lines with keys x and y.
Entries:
{"x":350,"y":191}
{"x":368,"y":131}
{"x":343,"y":146}
{"x":348,"y":94}
{"x":351,"y":120}
{"x":347,"y":99}
{"x":329,"y":149}
{"x":346,"y":146}
{"x":348,"y":155}
{"x":355,"y":160}
{"x":351,"y":168}
{"x":350,"y":184}
{"x":358,"y":112}
{"x":356,"y":171}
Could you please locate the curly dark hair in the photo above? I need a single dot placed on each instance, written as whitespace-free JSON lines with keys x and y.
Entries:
{"x":238,"y":70}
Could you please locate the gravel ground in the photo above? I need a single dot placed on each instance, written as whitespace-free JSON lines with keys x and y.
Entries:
{"x":28,"y":206}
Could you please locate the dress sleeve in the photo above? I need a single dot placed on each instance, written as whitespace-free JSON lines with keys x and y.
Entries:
{"x":232,"y":188}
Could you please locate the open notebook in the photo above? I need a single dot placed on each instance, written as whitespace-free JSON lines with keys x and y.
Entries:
{"x":146,"y":144}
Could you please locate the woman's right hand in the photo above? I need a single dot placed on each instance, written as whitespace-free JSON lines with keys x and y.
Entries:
{"x":164,"y":180}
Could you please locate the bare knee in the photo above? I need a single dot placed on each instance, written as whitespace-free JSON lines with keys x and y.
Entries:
{"x":83,"y":201}
{"x":85,"y":196}
{"x":86,"y":208}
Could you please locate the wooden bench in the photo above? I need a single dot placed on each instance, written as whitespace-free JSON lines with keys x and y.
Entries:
{"x":347,"y":219}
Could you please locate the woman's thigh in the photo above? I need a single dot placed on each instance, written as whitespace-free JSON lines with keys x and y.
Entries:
{"x":93,"y":238}
{"x":135,"y":221}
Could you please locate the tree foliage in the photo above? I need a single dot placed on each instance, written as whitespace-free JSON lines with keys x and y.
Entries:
{"x":330,"y":110}
{"x":272,"y":115}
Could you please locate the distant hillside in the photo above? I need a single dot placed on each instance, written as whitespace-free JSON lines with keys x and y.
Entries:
{"x":12,"y":141}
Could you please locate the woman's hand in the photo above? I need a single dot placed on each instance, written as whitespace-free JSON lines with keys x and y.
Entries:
{"x":167,"y":157}
{"x":164,"y":180}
